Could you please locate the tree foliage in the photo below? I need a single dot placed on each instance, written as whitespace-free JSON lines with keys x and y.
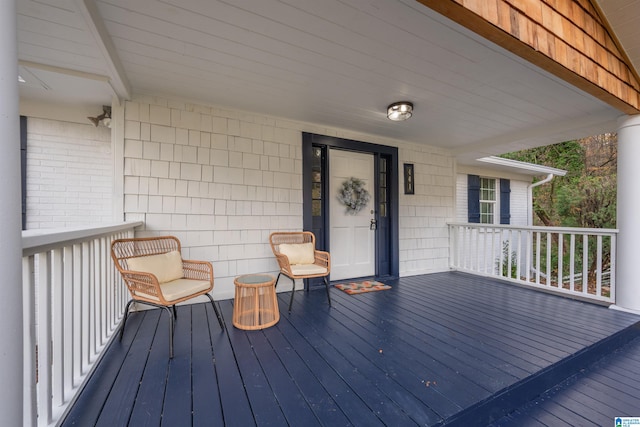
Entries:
{"x":586,"y":196}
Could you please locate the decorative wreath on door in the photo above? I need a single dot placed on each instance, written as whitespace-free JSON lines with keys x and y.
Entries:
{"x":353,"y":195}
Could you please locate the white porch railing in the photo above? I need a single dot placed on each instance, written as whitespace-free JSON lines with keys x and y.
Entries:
{"x":73,"y":302}
{"x":575,"y":261}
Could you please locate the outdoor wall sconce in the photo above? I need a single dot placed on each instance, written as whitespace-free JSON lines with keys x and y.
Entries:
{"x":399,"y":111}
{"x":103,"y":119}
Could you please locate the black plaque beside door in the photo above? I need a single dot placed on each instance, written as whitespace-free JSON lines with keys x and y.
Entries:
{"x":409,"y":179}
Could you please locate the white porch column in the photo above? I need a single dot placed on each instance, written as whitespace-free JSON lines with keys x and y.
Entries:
{"x":11,"y":329}
{"x":627,"y":269}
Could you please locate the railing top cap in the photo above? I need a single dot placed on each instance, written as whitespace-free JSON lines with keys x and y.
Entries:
{"x":568,"y":230}
{"x":34,"y":241}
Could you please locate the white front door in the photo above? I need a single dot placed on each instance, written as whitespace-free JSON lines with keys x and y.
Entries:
{"x":352,"y":240}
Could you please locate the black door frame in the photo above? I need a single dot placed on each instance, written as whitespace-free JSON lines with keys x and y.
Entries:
{"x":387,"y":249}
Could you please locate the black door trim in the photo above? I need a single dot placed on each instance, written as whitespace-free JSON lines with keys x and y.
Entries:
{"x":321,"y":228}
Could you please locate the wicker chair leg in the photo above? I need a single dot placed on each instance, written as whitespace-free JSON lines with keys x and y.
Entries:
{"x":124,"y":319}
{"x":326,"y":284}
{"x":276,"y":284}
{"x":215,"y":309}
{"x":293,"y":289}
{"x":171,"y":329}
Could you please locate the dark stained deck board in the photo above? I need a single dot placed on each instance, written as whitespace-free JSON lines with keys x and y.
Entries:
{"x":176,"y":410}
{"x":207,"y":407}
{"x":300,"y":360}
{"x":147,"y":405}
{"x":354,"y":353}
{"x":350,"y":389}
{"x":120,"y":403}
{"x":98,"y":389}
{"x":420,"y":376}
{"x":431,"y":351}
{"x":259,"y":393}
{"x":606,"y":389}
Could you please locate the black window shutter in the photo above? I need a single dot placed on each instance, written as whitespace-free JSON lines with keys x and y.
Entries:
{"x":505,"y":201}
{"x":473,"y":198}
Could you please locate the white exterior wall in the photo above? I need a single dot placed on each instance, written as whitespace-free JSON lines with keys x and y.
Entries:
{"x":424,"y":234}
{"x":69,"y":174}
{"x":222,"y":181}
{"x":518,"y":201}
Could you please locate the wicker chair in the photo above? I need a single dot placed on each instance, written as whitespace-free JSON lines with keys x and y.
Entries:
{"x":298,"y":258}
{"x":156,"y":274}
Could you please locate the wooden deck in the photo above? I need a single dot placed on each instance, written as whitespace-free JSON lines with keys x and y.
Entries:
{"x":439,"y":349}
{"x":609,"y":386}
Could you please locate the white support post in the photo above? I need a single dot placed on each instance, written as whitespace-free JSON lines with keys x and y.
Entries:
{"x":11,"y":327}
{"x":627,"y":283}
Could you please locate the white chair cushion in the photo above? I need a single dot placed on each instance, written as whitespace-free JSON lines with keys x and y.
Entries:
{"x":166,"y":267}
{"x":298,"y":253}
{"x":305,"y":269}
{"x":179,"y":288}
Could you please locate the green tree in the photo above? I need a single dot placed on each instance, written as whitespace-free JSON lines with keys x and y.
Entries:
{"x":586,"y":196}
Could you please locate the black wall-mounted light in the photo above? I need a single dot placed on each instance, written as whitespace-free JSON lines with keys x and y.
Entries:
{"x":103,"y":119}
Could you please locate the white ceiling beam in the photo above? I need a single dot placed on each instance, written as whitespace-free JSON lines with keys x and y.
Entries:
{"x":117,"y":76}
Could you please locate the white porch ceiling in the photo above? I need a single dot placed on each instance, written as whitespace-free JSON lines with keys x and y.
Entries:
{"x":332,"y":63}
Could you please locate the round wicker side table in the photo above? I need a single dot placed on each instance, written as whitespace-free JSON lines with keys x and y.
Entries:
{"x":255,"y":305}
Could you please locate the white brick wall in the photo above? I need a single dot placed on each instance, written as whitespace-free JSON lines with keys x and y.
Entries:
{"x":69,"y":174}
{"x":222,"y":181}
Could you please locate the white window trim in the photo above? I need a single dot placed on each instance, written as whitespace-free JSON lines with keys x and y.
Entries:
{"x":495,"y":202}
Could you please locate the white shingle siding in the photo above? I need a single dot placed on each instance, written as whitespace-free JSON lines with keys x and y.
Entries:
{"x":69,"y":174}
{"x":222,"y":181}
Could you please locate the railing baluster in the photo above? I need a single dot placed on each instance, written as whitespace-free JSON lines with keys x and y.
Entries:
{"x":560,"y":260}
{"x":548,"y":272}
{"x":77,"y":312}
{"x":518,"y":254}
{"x":57,"y":309}
{"x":68,"y":311}
{"x":538,"y":242}
{"x":585,"y":264}
{"x":572,"y":262}
{"x":599,"y":265}
{"x":86,"y":307}
{"x":43,"y":296}
{"x":30,"y":364}
{"x":612,"y":269}
{"x":528,"y":255}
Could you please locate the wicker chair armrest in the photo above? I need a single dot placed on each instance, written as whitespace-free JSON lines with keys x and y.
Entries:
{"x":140,"y":282}
{"x":198,"y":270}
{"x":323,"y":259}
{"x":283,"y":262}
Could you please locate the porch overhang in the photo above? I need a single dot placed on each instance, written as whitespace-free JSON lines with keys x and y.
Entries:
{"x":478,"y":88}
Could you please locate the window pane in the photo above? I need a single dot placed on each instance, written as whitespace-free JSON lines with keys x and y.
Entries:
{"x":316,"y":191}
{"x":316,"y":207}
{"x":487,"y":189}
{"x":486,"y":213}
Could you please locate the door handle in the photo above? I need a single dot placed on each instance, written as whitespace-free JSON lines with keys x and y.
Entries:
{"x":373,"y":225}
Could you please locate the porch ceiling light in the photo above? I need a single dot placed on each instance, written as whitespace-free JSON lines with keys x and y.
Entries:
{"x":399,"y":111}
